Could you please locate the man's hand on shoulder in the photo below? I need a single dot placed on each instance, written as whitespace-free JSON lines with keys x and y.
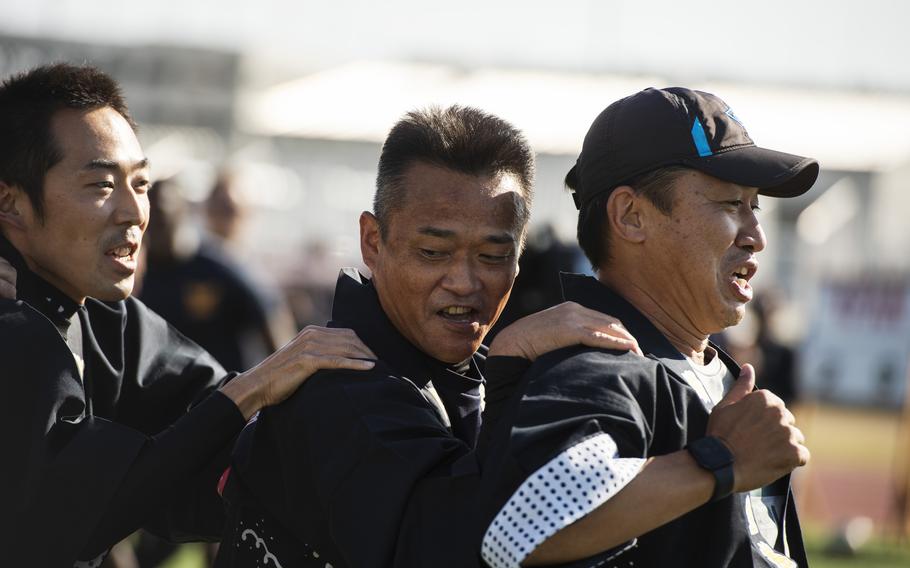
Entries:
{"x":562,"y":326}
{"x":760,"y":432}
{"x":280,"y":374}
{"x":7,"y":280}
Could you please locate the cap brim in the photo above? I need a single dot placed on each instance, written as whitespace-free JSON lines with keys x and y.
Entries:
{"x":776,"y":174}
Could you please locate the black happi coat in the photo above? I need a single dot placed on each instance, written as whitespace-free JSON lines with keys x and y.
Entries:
{"x":362,"y":469}
{"x":87,"y":460}
{"x":648,"y":409}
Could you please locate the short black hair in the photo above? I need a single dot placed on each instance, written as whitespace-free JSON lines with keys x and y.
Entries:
{"x":29,"y":101}
{"x":462,"y":139}
{"x":593,"y":230}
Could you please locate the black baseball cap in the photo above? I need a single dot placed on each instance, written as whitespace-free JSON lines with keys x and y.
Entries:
{"x":655,"y":128}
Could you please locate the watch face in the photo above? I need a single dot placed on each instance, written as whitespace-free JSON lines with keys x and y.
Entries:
{"x":719,"y":453}
{"x":711,"y":453}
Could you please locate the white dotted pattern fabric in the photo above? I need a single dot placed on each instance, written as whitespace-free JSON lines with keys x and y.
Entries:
{"x":567,"y":488}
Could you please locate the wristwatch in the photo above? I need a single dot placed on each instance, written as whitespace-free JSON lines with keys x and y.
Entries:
{"x":712,"y":454}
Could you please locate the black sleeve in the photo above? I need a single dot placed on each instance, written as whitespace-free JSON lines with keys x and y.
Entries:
{"x":544,"y":464}
{"x":574,"y":393}
{"x":165,"y":465}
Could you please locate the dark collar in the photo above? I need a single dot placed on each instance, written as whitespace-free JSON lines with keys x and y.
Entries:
{"x":591,"y":293}
{"x":37,"y":292}
{"x":356,"y":306}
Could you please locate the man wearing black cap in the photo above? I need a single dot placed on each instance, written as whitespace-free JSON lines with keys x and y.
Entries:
{"x":668,"y":460}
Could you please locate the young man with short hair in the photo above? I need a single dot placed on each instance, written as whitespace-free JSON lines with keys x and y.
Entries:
{"x":112,"y":419}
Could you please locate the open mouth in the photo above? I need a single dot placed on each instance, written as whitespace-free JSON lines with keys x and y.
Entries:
{"x":742,"y":275}
{"x":740,"y":278}
{"x":459,"y":314}
{"x":124,"y":253}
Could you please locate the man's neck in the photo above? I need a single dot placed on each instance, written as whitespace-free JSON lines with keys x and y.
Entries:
{"x":38,"y":273}
{"x":27,"y":271}
{"x":678,"y":330}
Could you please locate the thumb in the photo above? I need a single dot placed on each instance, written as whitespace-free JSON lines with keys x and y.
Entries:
{"x":743,"y":386}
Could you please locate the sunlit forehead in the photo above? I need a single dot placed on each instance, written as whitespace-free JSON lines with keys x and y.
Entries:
{"x":450,"y":209}
{"x":97,"y":139}
{"x":478,"y":234}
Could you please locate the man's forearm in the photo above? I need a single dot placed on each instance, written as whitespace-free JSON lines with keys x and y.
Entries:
{"x":169,"y":459}
{"x":667,"y":487}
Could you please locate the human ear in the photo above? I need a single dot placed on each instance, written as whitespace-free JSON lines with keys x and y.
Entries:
{"x":370,"y":239}
{"x":10,"y":205}
{"x":624,"y":213}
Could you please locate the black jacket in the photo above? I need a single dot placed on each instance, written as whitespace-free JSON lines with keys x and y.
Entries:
{"x":648,"y":408}
{"x":361,"y":468}
{"x":88,"y":460}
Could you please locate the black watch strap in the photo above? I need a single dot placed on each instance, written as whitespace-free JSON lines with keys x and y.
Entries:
{"x":712,"y":454}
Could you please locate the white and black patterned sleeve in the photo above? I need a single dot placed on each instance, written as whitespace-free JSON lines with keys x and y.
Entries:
{"x":568,"y":487}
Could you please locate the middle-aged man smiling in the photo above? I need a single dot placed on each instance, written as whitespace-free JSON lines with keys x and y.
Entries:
{"x":604,"y":448}
{"x":379,"y":470}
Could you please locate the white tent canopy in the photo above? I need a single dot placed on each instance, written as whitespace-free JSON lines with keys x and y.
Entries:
{"x":360,"y":101}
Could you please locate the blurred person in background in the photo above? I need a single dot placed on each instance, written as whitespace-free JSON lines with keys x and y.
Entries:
{"x":113,"y":420}
{"x":198,"y":287}
{"x":307,"y":296}
{"x":226,"y":208}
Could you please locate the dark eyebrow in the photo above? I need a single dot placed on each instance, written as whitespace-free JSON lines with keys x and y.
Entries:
{"x":499,"y":239}
{"x":102,"y":164}
{"x":434,"y":232}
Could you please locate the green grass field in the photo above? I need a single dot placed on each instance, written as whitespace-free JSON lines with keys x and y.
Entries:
{"x":875,"y":555}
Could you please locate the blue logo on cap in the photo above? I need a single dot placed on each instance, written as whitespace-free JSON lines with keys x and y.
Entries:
{"x":700,"y":139}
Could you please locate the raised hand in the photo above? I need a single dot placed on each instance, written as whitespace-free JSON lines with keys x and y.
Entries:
{"x":282,"y":372}
{"x":561,"y":326}
{"x":757,"y":427}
